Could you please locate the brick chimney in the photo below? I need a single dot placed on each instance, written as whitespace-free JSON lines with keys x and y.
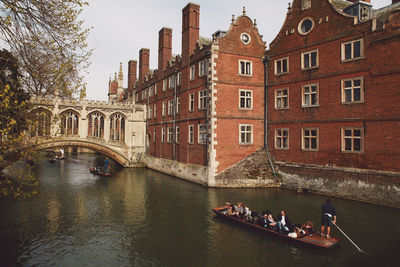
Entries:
{"x":132,"y":66}
{"x":164,"y":48}
{"x":190,"y":30}
{"x":144,"y":63}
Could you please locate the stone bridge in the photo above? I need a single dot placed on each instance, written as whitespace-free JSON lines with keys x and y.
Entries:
{"x":113,"y":129}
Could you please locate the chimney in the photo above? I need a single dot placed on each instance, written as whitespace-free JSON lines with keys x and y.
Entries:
{"x":190,"y":30}
{"x":164,"y":48}
{"x":144,"y":58}
{"x":132,"y":66}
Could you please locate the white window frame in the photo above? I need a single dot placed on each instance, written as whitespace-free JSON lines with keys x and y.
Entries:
{"x":171,"y":82}
{"x":155,"y":89}
{"x":178,"y":105}
{"x":246,"y":131}
{"x":203,"y":66}
{"x":352,"y":138}
{"x":248,"y":67}
{"x":280,"y":71}
{"x":170,"y":135}
{"x":344,"y":89}
{"x":192,"y":72}
{"x":164,"y":109}
{"x":164,"y":85}
{"x":177,"y":134}
{"x":310,"y":137}
{"x":170,"y":107}
{"x":352,"y":42}
{"x":309,"y":53}
{"x":279,"y":136}
{"x":281,"y":97}
{"x":202,"y":99}
{"x":191,"y":102}
{"x":179,"y":79}
{"x":202,"y":134}
{"x":310,"y":94}
{"x":150,"y":115}
{"x":155,"y":111}
{"x":163,"y":135}
{"x":245,"y":97}
{"x":151,"y":91}
{"x":191,"y":134}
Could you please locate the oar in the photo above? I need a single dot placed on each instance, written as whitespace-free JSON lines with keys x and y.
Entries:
{"x":349,"y":238}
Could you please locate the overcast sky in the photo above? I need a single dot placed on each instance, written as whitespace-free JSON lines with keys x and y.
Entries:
{"x":122,"y":27}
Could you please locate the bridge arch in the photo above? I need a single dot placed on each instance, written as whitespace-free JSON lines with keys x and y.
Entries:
{"x":105,"y":150}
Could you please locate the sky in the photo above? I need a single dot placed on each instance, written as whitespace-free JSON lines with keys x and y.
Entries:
{"x":120,"y":28}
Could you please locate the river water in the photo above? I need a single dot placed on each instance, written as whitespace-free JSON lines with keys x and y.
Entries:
{"x":144,"y":218}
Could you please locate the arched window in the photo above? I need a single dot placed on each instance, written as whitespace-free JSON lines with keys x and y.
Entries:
{"x":69,"y":123}
{"x":117,"y":127}
{"x":41,"y":120}
{"x":96,"y":125}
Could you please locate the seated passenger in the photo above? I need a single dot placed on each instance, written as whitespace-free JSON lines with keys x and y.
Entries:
{"x":284,"y":219}
{"x":262,"y":220}
{"x":273,"y":225}
{"x":246,"y":213}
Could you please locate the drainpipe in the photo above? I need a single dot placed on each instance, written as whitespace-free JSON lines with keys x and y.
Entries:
{"x":208,"y":110}
{"x":267,"y":60}
{"x":174,"y":121}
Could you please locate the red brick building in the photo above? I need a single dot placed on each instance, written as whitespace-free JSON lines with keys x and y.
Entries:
{"x":205,"y":106}
{"x":334,"y":86}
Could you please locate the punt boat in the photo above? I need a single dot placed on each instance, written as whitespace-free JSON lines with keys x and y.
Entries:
{"x":100,"y":172}
{"x":314,"y":239}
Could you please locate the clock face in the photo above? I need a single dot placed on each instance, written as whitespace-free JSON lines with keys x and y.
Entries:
{"x":245,"y":38}
{"x":305,"y":4}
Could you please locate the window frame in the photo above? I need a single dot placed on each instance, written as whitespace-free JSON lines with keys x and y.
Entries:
{"x":245,"y":67}
{"x":164,"y":109}
{"x":170,"y":107}
{"x":177,"y":134}
{"x":192,"y":72}
{"x":171,"y":82}
{"x":155,"y":111}
{"x":163,"y":135}
{"x":303,"y":148}
{"x":276,"y":66}
{"x":343,"y":141}
{"x":303,"y":104}
{"x":199,"y":132}
{"x":276,"y":137}
{"x":343,"y":50}
{"x":246,"y":142}
{"x":276,"y":98}
{"x":178,"y":105}
{"x":191,"y":134}
{"x":202,"y":99}
{"x":155,"y":89}
{"x":343,"y":90}
{"x":245,"y":98}
{"x":164,"y":87}
{"x":179,"y":79}
{"x":203,"y":67}
{"x":191,"y":102}
{"x":309,"y":53}
{"x":170,"y":135}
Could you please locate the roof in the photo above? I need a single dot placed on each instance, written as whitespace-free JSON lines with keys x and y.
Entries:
{"x":382,"y":14}
{"x":204,"y":41}
{"x":341,"y":4}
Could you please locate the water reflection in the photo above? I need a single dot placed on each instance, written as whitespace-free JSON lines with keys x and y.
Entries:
{"x":144,"y":218}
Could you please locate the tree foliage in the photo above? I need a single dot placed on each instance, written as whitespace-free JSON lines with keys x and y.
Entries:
{"x":49,"y":41}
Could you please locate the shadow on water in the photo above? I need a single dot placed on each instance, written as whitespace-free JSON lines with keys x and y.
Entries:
{"x":140,"y":217}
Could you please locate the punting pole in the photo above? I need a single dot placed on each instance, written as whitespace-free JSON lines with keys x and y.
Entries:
{"x":349,"y":238}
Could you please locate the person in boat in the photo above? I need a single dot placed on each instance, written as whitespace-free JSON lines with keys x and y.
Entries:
{"x":240,"y":209}
{"x":231,"y":212}
{"x":106,"y":163}
{"x":274,"y":225}
{"x":246,"y":213}
{"x":61,"y":153}
{"x":284,"y":219}
{"x":263,"y":220}
{"x":328,"y":217}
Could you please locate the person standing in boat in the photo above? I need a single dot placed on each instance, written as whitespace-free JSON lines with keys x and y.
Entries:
{"x":328,"y":217}
{"x":106,"y":163}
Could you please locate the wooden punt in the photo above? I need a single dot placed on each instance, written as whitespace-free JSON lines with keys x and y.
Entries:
{"x":313,"y":240}
{"x":100,"y":172}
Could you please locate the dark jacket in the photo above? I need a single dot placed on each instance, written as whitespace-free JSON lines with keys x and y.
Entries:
{"x":287,"y":220}
{"x":328,"y":208}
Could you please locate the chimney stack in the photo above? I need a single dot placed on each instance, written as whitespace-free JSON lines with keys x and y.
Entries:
{"x":144,"y":63}
{"x":164,"y":48}
{"x":190,"y":30}
{"x":132,"y":68}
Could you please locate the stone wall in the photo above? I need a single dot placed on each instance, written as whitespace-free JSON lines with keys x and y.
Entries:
{"x":363,"y":185}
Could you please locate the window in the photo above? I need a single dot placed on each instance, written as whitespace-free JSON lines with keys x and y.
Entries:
{"x":164,"y":108}
{"x":310,"y":95}
{"x":150,"y":112}
{"x":202,"y":138}
{"x":117,"y":127}
{"x":202,"y":99}
{"x":309,"y":60}
{"x":245,"y":67}
{"x":154,"y":136}
{"x":245,"y":134}
{"x":305,"y":26}
{"x":155,"y":111}
{"x":281,"y":138}
{"x":282,"y":98}
{"x":179,"y":79}
{"x":95,"y":124}
{"x":352,"y":139}
{"x":245,"y":99}
{"x":170,"y":107}
{"x":191,"y":102}
{"x":162,"y":135}
{"x":245,"y":38}
{"x":282,"y":66}
{"x":203,"y":68}
{"x":310,"y":139}
{"x":170,"y":135}
{"x":142,"y":95}
{"x":164,"y":85}
{"x":151,"y":91}
{"x":136,"y":97}
{"x":171,"y":82}
{"x":178,"y":105}
{"x":192,"y":72}
{"x":191,"y":134}
{"x":352,"y":90}
{"x":352,"y":50}
{"x":177,"y":134}
{"x":155,"y":89}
